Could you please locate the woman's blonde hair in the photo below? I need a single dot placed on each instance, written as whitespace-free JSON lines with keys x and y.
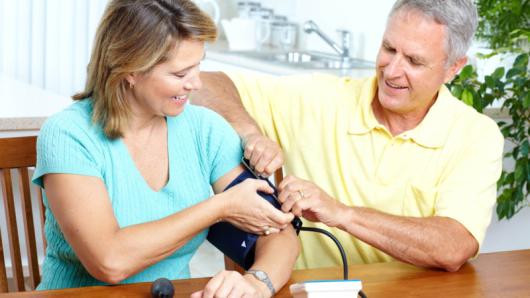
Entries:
{"x":133,"y":37}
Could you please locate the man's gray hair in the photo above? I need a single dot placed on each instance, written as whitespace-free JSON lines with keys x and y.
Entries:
{"x":459,"y":16}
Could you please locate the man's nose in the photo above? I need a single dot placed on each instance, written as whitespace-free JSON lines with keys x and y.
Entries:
{"x":395,"y":67}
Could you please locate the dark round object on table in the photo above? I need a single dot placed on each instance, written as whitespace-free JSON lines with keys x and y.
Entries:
{"x":162,"y":288}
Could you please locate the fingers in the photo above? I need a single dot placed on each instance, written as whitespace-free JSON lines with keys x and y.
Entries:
{"x":268,"y":162}
{"x":277,"y":217}
{"x":289,"y":199}
{"x":213,"y":284}
{"x":275,"y":164}
{"x":227,"y":284}
{"x":264,"y":155}
{"x":197,"y":294}
{"x":262,"y":185}
{"x":290,"y":185}
{"x":287,"y":181}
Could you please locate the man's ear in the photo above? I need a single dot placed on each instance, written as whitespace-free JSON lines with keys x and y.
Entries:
{"x":455,"y":68}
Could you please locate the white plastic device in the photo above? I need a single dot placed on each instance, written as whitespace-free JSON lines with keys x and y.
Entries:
{"x":326,"y":289}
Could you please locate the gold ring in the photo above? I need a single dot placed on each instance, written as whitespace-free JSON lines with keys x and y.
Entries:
{"x":266,"y":231}
{"x":301,"y":193}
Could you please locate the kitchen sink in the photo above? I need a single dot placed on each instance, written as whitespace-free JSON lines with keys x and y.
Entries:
{"x":308,"y":60}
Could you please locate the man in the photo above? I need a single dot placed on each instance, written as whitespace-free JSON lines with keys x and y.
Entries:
{"x":394,"y":165}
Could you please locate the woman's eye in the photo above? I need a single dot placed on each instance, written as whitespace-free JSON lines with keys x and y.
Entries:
{"x":180,"y":75}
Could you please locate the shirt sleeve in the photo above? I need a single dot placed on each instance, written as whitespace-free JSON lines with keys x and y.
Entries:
{"x":280,"y":105}
{"x":64,"y":146}
{"x":469,"y":190}
{"x":223,"y":145}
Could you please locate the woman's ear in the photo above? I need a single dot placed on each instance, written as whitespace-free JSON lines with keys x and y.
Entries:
{"x":131,"y":79}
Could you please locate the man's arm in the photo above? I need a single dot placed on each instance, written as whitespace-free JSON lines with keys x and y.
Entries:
{"x":439,"y":242}
{"x":436,"y":242}
{"x":219,"y":93}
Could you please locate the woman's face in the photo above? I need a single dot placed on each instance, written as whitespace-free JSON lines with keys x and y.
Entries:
{"x":165,"y":89}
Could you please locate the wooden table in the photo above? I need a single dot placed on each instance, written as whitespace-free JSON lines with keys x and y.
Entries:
{"x":504,"y":274}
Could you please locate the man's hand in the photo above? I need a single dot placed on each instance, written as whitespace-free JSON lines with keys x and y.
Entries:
{"x":264,"y":154}
{"x":306,"y":199}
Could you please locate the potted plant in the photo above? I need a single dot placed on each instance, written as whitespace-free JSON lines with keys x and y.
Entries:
{"x":505,"y":26}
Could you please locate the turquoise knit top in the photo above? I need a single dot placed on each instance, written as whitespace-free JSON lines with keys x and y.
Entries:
{"x":202,"y":147}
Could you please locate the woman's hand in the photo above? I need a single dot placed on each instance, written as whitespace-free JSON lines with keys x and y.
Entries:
{"x":247,"y":210}
{"x":234,"y":285}
{"x":264,"y":154}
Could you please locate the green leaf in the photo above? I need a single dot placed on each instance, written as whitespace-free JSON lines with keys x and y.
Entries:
{"x":498,"y":73}
{"x":526,"y":101}
{"x":467,"y":97}
{"x":524,"y":148}
{"x":514,"y":71}
{"x":490,"y":82}
{"x":519,"y":172}
{"x":521,"y":61}
{"x":456,"y":90}
{"x":509,"y":179}
{"x":500,"y":210}
{"x":466,"y":72}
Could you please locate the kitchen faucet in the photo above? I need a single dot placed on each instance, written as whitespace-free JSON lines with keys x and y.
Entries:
{"x":343,"y":50}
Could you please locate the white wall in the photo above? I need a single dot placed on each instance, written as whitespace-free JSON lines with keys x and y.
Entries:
{"x":47,"y":43}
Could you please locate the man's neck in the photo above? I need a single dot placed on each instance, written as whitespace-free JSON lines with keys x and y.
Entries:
{"x":397,"y":123}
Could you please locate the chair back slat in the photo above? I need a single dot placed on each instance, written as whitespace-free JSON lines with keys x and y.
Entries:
{"x":29,"y":227}
{"x":42,"y":213}
{"x":3,"y":275}
{"x":14,"y":244}
{"x":17,"y":154}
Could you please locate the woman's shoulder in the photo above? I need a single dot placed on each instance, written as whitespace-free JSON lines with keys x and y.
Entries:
{"x":77,"y":112}
{"x":75,"y":120}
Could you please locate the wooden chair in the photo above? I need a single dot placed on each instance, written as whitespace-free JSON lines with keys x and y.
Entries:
{"x":231,"y":265}
{"x":16,"y":155}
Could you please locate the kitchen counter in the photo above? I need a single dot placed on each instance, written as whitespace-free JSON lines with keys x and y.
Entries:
{"x":24,"y":107}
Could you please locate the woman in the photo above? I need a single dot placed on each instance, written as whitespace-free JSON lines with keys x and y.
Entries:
{"x":129,"y":167}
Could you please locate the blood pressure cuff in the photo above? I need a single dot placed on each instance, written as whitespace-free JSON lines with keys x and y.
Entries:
{"x":239,"y":245}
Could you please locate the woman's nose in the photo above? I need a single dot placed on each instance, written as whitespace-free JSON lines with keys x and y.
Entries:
{"x":194,"y":82}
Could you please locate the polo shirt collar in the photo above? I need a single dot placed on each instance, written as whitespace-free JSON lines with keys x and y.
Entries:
{"x":363,"y":119}
{"x":432,"y":131}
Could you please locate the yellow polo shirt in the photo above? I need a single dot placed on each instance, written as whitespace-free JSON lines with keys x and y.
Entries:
{"x":447,"y":166}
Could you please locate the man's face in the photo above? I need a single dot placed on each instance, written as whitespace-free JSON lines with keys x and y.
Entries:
{"x":411,"y":64}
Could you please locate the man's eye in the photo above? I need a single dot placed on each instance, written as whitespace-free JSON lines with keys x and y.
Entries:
{"x":389,"y":49}
{"x":415,"y":62}
{"x":180,"y":75}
